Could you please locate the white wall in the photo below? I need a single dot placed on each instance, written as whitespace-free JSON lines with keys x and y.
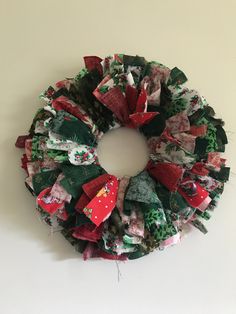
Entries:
{"x":44,"y":41}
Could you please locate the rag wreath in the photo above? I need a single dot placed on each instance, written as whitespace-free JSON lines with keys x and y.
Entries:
{"x":100,"y":214}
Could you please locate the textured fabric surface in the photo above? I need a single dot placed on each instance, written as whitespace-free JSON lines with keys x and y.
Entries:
{"x":100,"y":214}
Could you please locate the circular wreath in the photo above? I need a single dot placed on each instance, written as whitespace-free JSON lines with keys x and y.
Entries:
{"x":100,"y":214}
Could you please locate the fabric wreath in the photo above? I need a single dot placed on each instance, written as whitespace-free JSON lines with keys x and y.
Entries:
{"x":100,"y":214}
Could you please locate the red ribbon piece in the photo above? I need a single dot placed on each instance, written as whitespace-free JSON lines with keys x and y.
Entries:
{"x":141,"y":105}
{"x":20,"y":142}
{"x":101,"y":206}
{"x":195,"y":199}
{"x":49,"y":203}
{"x":198,"y":130}
{"x":130,"y":109}
{"x":88,"y":232}
{"x":199,"y":168}
{"x":140,"y":118}
{"x":64,"y":84}
{"x":168,"y":174}
{"x":116,"y":102}
{"x":214,"y":160}
{"x":167,"y":136}
{"x":131,"y":94}
{"x":24,"y":161}
{"x":63,"y":103}
{"x":92,"y":187}
{"x":93,"y":62}
{"x":82,"y":202}
{"x":90,"y":190}
{"x":105,"y":255}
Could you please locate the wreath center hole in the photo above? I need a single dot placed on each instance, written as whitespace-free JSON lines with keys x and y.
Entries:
{"x":123,"y":152}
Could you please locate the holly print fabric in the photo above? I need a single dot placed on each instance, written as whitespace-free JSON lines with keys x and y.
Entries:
{"x":122,"y":218}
